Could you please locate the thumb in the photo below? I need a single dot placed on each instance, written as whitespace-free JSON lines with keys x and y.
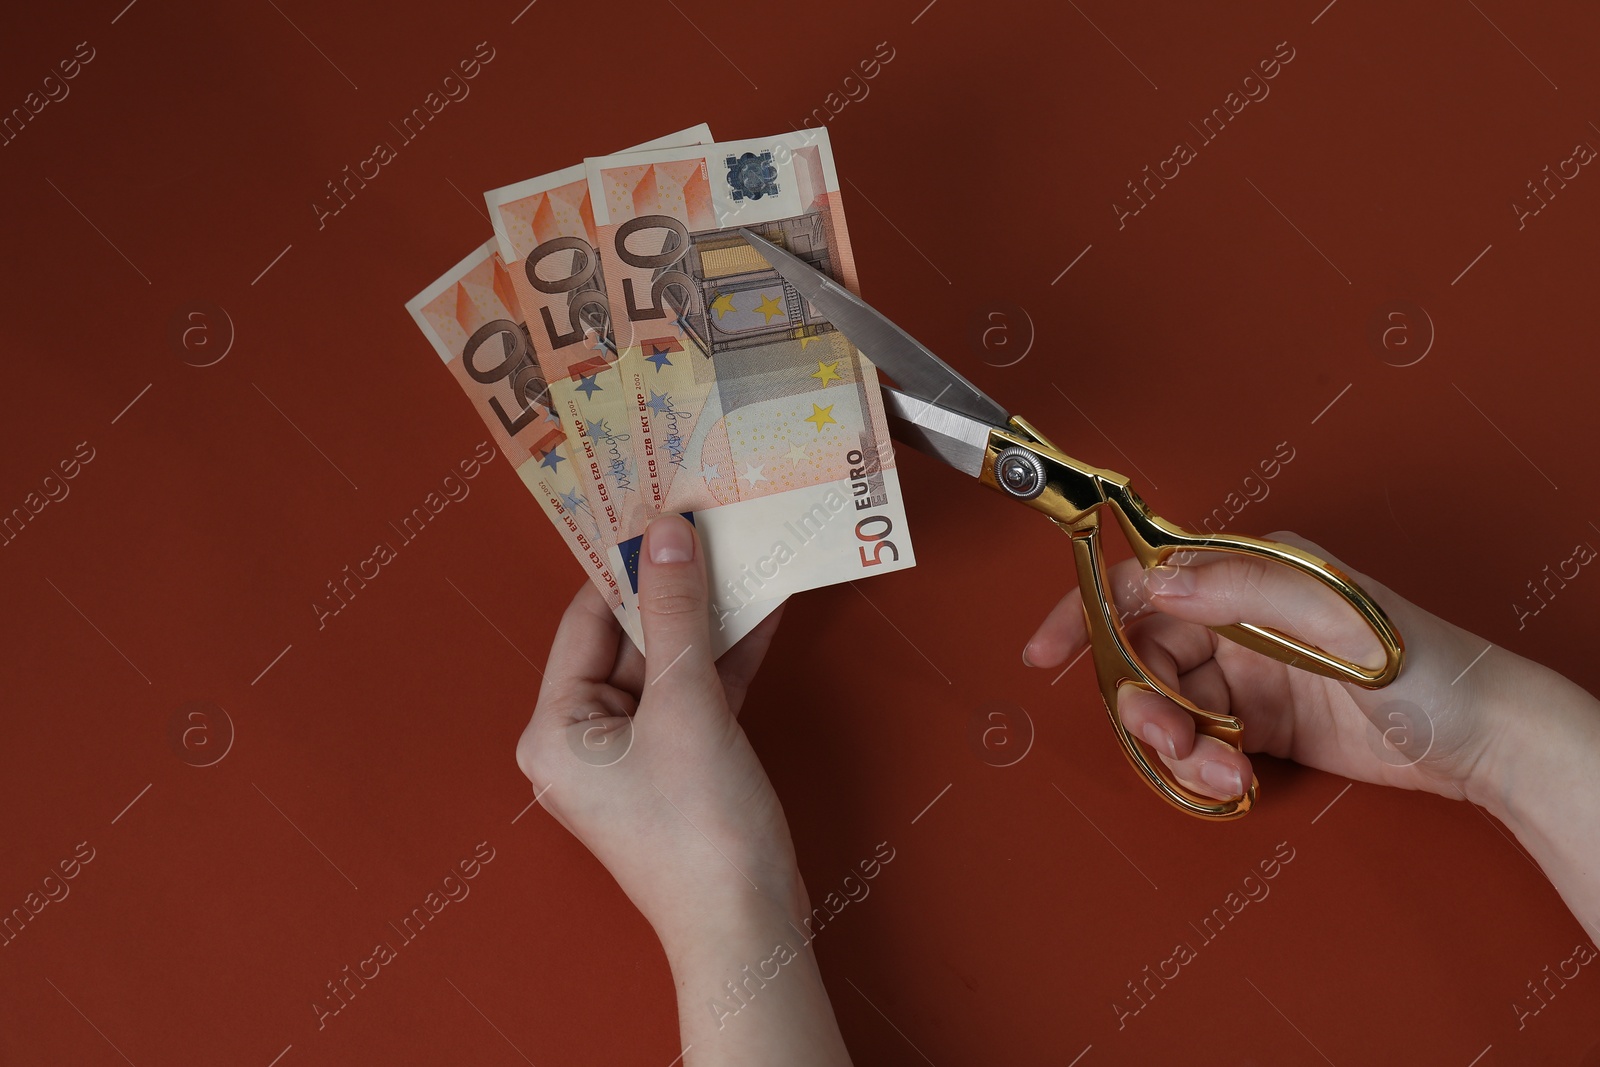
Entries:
{"x":673,"y":606}
{"x":1214,"y":588}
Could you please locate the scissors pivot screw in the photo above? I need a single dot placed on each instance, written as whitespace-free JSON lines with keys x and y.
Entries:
{"x":1020,"y":472}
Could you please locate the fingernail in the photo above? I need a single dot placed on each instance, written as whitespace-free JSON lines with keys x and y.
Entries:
{"x":1168,"y":580}
{"x":1159,"y":739}
{"x":670,"y":540}
{"x":1221,"y":777}
{"x":1026,"y":662}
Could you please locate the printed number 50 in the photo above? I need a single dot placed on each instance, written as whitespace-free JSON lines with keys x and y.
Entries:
{"x":877,"y":541}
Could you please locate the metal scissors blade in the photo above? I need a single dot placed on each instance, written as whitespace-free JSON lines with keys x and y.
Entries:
{"x":918,"y":371}
{"x":957,"y":439}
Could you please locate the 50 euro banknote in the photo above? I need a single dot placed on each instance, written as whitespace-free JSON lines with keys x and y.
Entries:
{"x":746,"y":406}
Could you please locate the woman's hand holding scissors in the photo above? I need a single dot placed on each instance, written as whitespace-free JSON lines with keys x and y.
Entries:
{"x":1465,"y":719}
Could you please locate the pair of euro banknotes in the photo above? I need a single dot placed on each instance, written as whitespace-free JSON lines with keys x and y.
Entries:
{"x":632,"y":355}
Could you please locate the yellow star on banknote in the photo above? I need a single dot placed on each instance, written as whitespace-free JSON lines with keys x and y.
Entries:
{"x":827,"y":372}
{"x":821,"y":416}
{"x":770,"y":307}
{"x":806,"y":339}
{"x":722,"y":305}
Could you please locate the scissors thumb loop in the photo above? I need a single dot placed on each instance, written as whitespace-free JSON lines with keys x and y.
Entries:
{"x":1155,"y":540}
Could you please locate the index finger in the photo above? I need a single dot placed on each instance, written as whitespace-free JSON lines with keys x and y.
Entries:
{"x":585,"y":645}
{"x":1064,"y":632}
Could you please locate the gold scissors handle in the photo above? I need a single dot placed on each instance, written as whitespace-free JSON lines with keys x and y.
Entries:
{"x":1023,"y":464}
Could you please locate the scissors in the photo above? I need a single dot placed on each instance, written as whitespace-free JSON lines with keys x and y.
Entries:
{"x":939,"y":412}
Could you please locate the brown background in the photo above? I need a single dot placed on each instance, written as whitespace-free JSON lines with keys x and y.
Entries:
{"x":984,"y":161}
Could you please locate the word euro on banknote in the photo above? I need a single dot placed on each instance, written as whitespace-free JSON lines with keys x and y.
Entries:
{"x":472,"y":318}
{"x":746,"y":406}
{"x":545,"y":230}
